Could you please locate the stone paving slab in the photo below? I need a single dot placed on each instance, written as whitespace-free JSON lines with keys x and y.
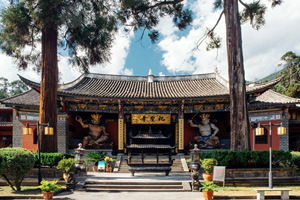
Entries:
{"x":130,"y":195}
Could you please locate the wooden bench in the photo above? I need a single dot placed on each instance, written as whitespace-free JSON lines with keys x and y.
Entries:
{"x":284,"y":193}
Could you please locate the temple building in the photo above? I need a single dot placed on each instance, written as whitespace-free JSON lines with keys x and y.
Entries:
{"x":132,"y":106}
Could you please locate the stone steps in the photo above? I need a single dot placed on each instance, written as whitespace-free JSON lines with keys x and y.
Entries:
{"x":135,"y":186}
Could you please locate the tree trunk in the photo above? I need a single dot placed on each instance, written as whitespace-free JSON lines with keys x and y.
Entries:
{"x":48,"y":93}
{"x":240,"y":138}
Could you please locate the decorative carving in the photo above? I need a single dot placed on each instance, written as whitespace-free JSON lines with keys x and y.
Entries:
{"x":199,"y":107}
{"x":219,"y":106}
{"x":151,"y":118}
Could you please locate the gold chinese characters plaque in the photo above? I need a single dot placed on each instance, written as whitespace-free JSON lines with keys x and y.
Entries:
{"x":151,"y":118}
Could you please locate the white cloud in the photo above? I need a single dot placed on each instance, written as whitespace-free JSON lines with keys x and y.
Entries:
{"x":181,"y":54}
{"x":262,"y":49}
{"x":161,"y":74}
{"x":119,"y":53}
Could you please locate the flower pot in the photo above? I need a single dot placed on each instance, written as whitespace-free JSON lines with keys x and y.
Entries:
{"x":47,"y":195}
{"x":108,"y":169}
{"x":208,"y":194}
{"x":65,"y":176}
{"x":207,"y":177}
{"x":95,"y":168}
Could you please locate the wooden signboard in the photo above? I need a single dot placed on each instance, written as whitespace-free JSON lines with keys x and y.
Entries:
{"x":151,"y":118}
{"x":219,"y":174}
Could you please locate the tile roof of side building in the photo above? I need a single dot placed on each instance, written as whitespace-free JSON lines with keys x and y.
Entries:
{"x":28,"y":98}
{"x":139,"y":87}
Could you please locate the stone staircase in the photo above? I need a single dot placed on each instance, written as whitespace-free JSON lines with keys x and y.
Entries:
{"x":136,"y":186}
{"x":177,"y":167}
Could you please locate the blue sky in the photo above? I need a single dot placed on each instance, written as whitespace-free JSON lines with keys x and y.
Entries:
{"x":175,"y":53}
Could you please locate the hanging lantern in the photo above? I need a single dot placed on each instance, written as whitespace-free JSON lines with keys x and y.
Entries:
{"x":27,"y":130}
{"x":48,"y":130}
{"x":259,"y":131}
{"x":281,"y":130}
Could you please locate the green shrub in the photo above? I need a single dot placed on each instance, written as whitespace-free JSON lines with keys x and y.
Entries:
{"x":95,"y":156}
{"x":51,"y":159}
{"x":209,"y":186}
{"x":49,"y":186}
{"x":249,"y":159}
{"x":14,"y":164}
{"x":296,"y":158}
{"x":67,"y":165}
{"x":208,"y":165}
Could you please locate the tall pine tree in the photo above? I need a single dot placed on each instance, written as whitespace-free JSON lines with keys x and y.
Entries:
{"x":84,"y":27}
{"x":254,"y":13}
{"x":290,"y":75}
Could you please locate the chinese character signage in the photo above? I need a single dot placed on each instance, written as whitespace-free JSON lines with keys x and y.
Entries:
{"x":151,"y":118}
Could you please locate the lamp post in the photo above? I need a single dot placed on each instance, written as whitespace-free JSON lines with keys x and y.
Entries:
{"x":48,"y":131}
{"x":79,"y":157}
{"x":253,"y":126}
{"x":259,"y":132}
{"x":195,"y":166}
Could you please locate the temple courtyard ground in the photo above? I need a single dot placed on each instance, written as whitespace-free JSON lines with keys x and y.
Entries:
{"x":81,"y":194}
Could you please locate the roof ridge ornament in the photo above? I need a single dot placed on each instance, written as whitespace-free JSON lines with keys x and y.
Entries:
{"x":150,"y":76}
{"x":216,"y":70}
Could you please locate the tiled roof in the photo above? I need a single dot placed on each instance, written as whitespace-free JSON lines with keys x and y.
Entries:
{"x":138,"y":87}
{"x":271,"y":98}
{"x":29,"y":98}
{"x":251,"y":88}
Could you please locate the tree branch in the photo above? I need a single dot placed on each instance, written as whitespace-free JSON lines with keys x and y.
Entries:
{"x":9,"y":183}
{"x":245,"y":5}
{"x":165,"y":3}
{"x":248,"y":8}
{"x":158,"y":5}
{"x":210,"y":31}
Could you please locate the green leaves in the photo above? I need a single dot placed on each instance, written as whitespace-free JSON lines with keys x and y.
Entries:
{"x":209,"y":186}
{"x":214,"y":41}
{"x":208,"y":165}
{"x":249,"y":159}
{"x":49,"y":186}
{"x":14,"y":164}
{"x":142,"y":14}
{"x":10,"y":89}
{"x":86,"y":27}
{"x":218,"y":4}
{"x":254,"y":13}
{"x":290,"y":76}
{"x":67,"y":165}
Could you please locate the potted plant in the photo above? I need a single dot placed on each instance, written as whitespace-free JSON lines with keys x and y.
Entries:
{"x":208,"y":166}
{"x":66,"y":166}
{"x":48,"y":187}
{"x":108,"y":162}
{"x":208,"y":189}
{"x":94,"y":157}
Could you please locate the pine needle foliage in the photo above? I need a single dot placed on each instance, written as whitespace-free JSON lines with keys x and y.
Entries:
{"x":86,"y":27}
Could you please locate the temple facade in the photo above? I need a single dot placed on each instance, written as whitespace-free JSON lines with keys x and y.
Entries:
{"x":135,"y":105}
